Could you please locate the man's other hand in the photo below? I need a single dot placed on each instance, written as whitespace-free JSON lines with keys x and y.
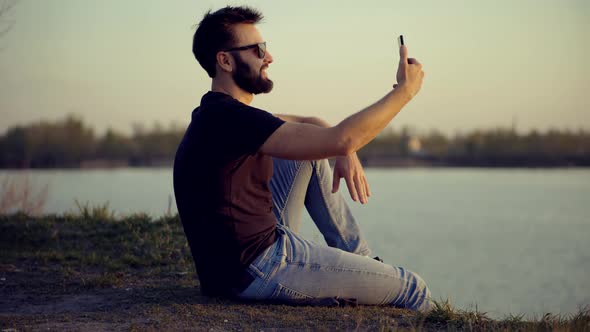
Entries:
{"x":350,"y":168}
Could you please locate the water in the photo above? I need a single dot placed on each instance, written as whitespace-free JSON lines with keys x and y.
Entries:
{"x":509,"y":241}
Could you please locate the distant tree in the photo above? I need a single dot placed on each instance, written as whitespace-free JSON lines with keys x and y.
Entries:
{"x":435,"y":144}
{"x":14,"y":150}
{"x":158,"y":144}
{"x":386,"y":144}
{"x":115,"y":146}
{"x":65,"y":143}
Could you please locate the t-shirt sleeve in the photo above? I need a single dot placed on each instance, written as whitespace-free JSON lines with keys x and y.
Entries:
{"x":250,"y":127}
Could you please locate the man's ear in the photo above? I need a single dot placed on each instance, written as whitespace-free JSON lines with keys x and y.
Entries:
{"x":224,"y":61}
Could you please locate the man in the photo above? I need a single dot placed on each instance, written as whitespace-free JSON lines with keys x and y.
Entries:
{"x":243,"y":175}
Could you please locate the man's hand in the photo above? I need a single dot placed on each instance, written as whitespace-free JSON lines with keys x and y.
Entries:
{"x":409,"y":73}
{"x":351,"y":170}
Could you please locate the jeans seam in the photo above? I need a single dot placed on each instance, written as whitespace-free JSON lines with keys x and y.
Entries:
{"x":291,"y":290}
{"x":341,"y":269}
{"x":266,"y":279}
{"x":282,"y":213}
{"x":255,"y":271}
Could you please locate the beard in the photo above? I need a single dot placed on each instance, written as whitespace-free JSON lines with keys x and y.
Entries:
{"x":249,"y":80}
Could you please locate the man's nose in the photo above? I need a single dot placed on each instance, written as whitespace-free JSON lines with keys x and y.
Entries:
{"x":268,"y":57}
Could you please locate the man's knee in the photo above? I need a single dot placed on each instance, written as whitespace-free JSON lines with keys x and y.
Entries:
{"x":417,"y":294}
{"x":422,"y":297}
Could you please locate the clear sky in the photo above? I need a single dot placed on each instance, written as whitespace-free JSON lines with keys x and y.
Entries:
{"x":487,"y":63}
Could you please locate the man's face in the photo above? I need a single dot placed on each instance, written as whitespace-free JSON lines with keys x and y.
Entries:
{"x":249,"y":78}
{"x":250,"y":72}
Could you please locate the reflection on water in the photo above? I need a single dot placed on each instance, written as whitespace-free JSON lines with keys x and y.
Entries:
{"x":506,"y":240}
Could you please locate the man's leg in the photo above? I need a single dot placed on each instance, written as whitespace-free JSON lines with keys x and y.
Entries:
{"x":296,"y":271}
{"x":296,"y":184}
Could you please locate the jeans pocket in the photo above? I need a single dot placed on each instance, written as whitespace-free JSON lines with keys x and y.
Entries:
{"x":282,"y":247}
{"x":286,"y":294}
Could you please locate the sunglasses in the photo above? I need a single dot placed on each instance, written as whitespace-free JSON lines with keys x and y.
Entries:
{"x":260,"y":46}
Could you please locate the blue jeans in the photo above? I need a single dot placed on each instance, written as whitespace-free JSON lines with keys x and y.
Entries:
{"x":294,"y":270}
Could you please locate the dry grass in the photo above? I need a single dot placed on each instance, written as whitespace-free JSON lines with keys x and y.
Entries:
{"x":21,"y":194}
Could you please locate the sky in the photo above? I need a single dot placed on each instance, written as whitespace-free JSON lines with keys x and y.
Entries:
{"x":118,"y":64}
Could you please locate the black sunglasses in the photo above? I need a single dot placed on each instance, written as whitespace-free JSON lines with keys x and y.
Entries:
{"x":261,"y":49}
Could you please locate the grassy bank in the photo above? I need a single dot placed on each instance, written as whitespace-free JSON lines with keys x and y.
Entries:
{"x":94,"y":271}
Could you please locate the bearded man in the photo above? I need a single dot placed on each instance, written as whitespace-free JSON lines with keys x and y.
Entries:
{"x":242,"y":177}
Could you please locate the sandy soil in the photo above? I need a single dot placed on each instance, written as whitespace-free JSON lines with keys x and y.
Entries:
{"x":38,"y":299}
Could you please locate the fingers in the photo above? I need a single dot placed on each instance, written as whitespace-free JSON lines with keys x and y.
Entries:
{"x":351,"y":188}
{"x":335,"y":182}
{"x":352,"y":172}
{"x":356,"y":187}
{"x":403,"y":54}
{"x":367,"y":189}
{"x":360,"y":189}
{"x":413,"y":61}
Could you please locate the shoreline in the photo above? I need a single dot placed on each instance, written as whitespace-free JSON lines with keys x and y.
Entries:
{"x":366,"y":166}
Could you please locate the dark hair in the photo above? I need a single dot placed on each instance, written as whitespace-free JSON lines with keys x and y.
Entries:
{"x":215,"y":33}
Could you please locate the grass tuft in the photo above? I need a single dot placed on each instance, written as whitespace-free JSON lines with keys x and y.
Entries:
{"x":95,"y":212}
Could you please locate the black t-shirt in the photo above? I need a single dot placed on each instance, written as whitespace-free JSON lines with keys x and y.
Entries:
{"x":221,"y":189}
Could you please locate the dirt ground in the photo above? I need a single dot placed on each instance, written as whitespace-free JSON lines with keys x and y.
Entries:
{"x":34,"y":299}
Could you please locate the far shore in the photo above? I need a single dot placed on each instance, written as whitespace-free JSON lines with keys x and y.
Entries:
{"x":381,"y":162}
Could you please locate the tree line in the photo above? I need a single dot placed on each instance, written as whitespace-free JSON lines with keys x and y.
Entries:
{"x":70,"y":143}
{"x":497,"y":147}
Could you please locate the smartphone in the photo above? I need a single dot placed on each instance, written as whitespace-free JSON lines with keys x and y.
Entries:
{"x":400,"y":40}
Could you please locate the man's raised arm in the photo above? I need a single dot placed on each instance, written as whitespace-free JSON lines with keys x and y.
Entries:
{"x":303,"y":141}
